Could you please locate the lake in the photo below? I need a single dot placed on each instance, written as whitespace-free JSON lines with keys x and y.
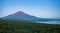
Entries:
{"x":51,"y":22}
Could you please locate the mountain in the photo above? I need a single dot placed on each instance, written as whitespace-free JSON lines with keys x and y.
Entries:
{"x":20,"y":15}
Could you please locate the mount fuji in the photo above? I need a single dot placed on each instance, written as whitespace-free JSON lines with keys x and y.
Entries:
{"x":20,"y":15}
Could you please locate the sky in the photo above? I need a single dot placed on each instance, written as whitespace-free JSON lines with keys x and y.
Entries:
{"x":38,"y":8}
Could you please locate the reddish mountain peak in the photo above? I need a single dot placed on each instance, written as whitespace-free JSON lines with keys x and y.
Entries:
{"x":20,"y":12}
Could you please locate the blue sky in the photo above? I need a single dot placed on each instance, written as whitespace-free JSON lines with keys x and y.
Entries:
{"x":38,"y":8}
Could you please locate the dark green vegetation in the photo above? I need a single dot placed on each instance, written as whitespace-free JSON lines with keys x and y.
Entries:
{"x":21,"y":27}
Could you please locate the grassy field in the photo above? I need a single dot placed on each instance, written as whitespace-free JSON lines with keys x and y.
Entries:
{"x":25,"y":27}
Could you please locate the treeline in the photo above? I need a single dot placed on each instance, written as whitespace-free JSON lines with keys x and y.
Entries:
{"x":26,"y":27}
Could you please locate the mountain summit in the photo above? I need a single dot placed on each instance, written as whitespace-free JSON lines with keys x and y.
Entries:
{"x":20,"y":12}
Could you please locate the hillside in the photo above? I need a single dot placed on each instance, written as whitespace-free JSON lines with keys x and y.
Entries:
{"x":25,"y":27}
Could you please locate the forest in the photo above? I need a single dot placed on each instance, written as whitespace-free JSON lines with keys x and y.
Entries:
{"x":27,"y":27}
